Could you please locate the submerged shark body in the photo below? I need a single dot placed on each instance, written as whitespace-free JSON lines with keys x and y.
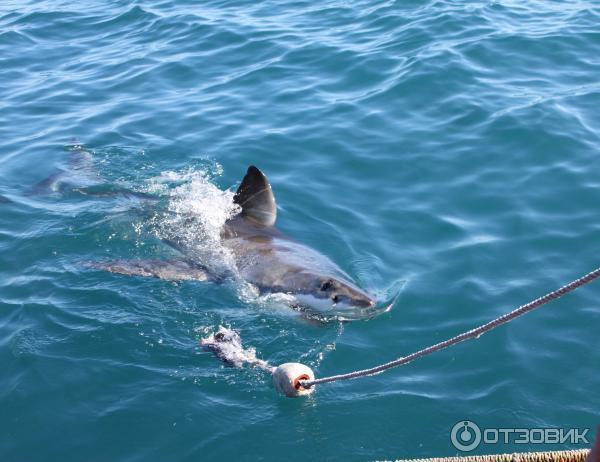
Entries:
{"x":268,"y":259}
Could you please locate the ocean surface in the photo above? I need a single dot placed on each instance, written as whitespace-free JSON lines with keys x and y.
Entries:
{"x":443,"y":152}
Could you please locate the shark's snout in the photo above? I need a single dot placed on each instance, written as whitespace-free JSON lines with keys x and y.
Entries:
{"x":343,"y":293}
{"x":358,"y":301}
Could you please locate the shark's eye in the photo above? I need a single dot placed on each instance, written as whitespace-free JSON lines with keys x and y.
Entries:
{"x":327,"y":285}
{"x":335,"y":299}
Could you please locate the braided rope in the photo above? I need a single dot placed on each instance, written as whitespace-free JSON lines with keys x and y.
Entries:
{"x":473,"y":333}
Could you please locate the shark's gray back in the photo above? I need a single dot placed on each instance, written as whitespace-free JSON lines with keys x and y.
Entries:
{"x":271,"y":260}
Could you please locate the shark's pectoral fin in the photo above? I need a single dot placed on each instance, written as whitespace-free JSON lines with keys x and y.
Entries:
{"x":256,"y":199}
{"x":169,"y":270}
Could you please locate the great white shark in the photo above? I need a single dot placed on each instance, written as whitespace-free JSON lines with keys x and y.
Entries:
{"x":268,"y":259}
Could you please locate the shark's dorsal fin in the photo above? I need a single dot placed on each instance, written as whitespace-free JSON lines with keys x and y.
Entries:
{"x":256,"y":199}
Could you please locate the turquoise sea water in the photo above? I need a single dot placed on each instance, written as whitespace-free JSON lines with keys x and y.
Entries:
{"x":448,"y":150}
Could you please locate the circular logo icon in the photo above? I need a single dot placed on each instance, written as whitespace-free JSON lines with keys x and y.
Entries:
{"x":465,"y":435}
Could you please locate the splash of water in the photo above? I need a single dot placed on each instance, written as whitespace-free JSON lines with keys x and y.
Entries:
{"x":194,"y":215}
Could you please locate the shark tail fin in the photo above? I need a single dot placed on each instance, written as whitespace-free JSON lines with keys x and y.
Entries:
{"x":80,"y":172}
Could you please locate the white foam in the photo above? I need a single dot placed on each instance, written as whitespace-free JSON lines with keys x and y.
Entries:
{"x":194,"y":215}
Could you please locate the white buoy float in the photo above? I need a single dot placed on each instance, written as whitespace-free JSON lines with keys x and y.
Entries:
{"x":287,"y":378}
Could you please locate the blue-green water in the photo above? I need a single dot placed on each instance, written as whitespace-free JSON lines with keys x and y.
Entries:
{"x":449,"y":149}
